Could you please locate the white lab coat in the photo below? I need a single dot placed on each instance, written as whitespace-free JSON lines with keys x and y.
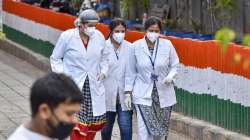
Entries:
{"x":140,"y":68}
{"x":115,"y":82}
{"x":71,"y":57}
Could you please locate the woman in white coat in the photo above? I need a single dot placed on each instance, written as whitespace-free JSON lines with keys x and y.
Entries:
{"x":152,"y":69}
{"x":80,"y":53}
{"x":117,"y":103}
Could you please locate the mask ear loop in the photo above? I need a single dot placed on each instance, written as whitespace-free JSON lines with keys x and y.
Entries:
{"x":110,"y":34}
{"x":77,"y":22}
{"x":50,"y":124}
{"x":53,"y":113}
{"x":146,"y":37}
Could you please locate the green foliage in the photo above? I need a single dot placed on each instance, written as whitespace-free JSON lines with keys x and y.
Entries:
{"x":76,"y":4}
{"x":224,"y":36}
{"x":224,"y":5}
{"x":125,"y":6}
{"x":146,"y":4}
{"x":2,"y":36}
{"x":223,"y":10}
{"x":171,"y":23}
{"x":197,"y":26}
{"x":127,"y":3}
{"x":246,"y":40}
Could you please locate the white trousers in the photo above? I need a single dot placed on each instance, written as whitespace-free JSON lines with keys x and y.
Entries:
{"x":142,"y":132}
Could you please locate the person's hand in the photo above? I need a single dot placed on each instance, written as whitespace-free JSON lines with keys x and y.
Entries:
{"x":168,"y":80}
{"x":100,"y":77}
{"x":128,"y":100}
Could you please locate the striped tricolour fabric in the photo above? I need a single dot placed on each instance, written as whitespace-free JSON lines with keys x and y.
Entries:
{"x":209,"y":86}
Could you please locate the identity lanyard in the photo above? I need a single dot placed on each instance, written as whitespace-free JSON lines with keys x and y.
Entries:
{"x":150,"y":58}
{"x":116,"y":53}
{"x":117,"y":57}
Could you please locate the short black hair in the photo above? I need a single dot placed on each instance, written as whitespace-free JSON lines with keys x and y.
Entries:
{"x":53,"y":89}
{"x":152,"y":21}
{"x":115,"y":22}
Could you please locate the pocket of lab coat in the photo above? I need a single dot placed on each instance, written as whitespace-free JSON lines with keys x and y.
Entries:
{"x":100,"y":87}
{"x":74,"y":53}
{"x":141,"y":89}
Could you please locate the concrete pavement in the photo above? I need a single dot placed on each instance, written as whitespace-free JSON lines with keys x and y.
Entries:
{"x":16,"y":78}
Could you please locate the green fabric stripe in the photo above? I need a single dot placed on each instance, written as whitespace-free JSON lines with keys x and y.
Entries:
{"x":201,"y":106}
{"x":43,"y":47}
{"x":221,"y":112}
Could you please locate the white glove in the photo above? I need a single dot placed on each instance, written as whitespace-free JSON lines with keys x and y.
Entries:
{"x":170,"y":78}
{"x":128,"y":100}
{"x":100,"y":77}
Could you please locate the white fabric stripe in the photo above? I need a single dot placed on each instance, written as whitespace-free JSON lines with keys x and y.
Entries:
{"x":31,"y":28}
{"x":208,"y":81}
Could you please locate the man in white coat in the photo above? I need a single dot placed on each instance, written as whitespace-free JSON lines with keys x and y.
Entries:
{"x":81,"y":54}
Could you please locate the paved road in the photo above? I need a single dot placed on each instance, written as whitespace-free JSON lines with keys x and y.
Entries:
{"x":16,"y":78}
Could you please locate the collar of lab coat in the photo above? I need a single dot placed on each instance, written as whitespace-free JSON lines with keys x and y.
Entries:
{"x":109,"y":43}
{"x":111,"y":46}
{"x":145,"y":46}
{"x":76,"y":33}
{"x":77,"y":36}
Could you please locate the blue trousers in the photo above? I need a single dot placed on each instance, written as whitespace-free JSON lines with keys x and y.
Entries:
{"x":124,"y":120}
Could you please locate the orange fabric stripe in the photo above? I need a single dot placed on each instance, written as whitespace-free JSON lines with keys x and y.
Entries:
{"x":44,"y":16}
{"x":104,"y":29}
{"x":200,"y":54}
{"x":203,"y":54}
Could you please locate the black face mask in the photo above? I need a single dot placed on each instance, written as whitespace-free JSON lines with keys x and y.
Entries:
{"x":61,"y":131}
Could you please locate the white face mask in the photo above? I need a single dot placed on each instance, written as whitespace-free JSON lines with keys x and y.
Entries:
{"x":118,"y":37}
{"x":89,"y":31}
{"x":152,"y":36}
